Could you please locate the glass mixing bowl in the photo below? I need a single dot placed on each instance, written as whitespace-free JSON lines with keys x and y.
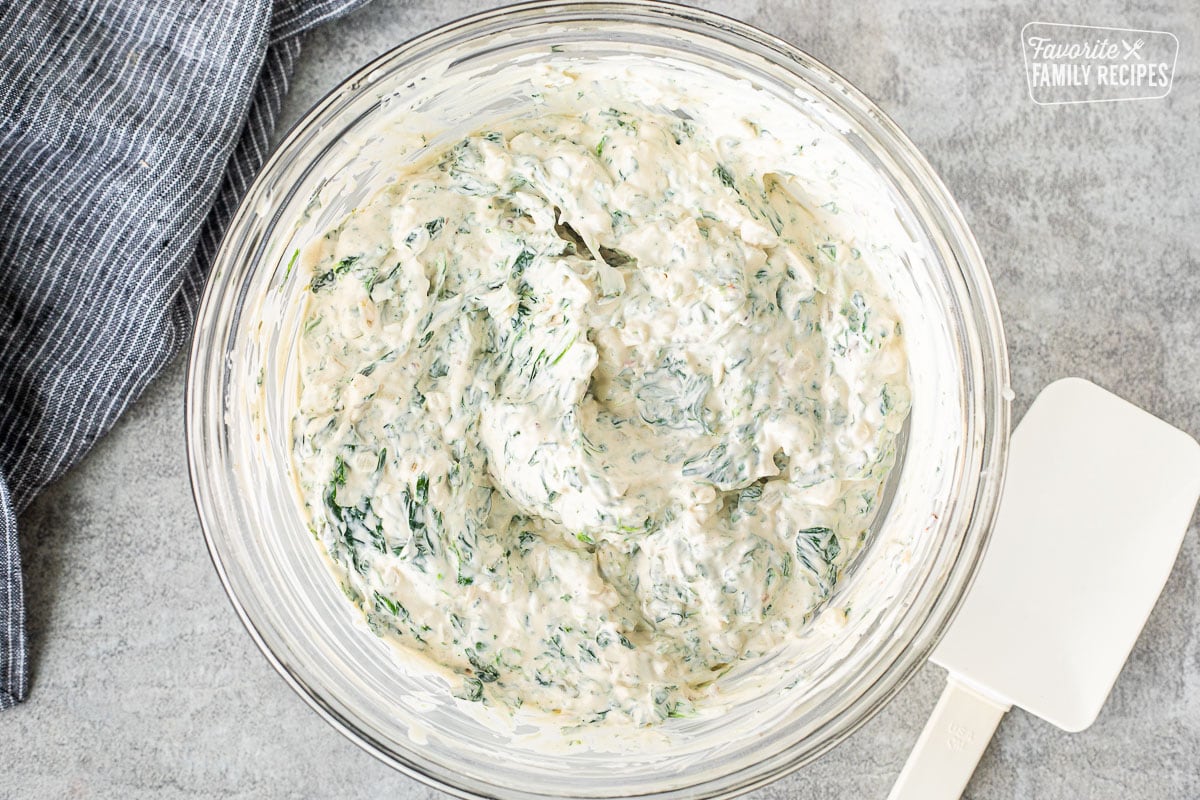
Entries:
{"x":904,"y":586}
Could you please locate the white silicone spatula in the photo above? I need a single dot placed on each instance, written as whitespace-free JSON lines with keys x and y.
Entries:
{"x":1098,"y":497}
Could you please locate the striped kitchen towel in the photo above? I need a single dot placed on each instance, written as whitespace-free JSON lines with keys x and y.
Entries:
{"x":128,"y":132}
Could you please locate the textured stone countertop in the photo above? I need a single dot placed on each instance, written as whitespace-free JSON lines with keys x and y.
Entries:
{"x":146,"y":685}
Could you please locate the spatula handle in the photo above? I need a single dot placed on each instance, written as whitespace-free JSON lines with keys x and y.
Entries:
{"x":954,"y":738}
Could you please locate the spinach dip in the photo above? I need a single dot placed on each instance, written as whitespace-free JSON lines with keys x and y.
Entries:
{"x":598,"y":403}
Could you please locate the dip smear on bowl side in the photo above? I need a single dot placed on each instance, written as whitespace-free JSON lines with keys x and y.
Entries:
{"x":596,"y":403}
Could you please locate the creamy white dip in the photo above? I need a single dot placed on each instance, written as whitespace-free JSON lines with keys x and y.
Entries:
{"x":597,"y":403}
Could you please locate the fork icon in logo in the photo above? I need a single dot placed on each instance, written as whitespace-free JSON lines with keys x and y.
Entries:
{"x":1132,"y":49}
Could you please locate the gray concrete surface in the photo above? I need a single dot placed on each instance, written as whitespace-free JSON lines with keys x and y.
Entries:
{"x":146,"y":685}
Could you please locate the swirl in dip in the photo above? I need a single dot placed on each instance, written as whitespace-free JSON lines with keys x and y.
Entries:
{"x":600,"y":401}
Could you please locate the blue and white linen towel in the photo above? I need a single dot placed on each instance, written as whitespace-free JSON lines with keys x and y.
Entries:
{"x":128,"y":132}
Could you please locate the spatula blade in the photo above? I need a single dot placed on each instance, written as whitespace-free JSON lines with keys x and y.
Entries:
{"x":1098,"y":499}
